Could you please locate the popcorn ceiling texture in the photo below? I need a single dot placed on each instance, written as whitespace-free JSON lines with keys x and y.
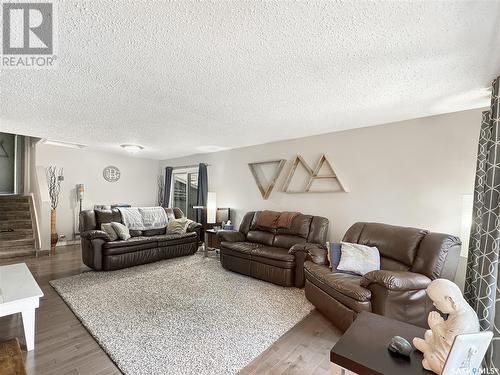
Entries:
{"x":182,"y":316}
{"x":174,"y":76}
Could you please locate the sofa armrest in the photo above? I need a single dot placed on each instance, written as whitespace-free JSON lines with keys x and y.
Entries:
{"x":94,"y":234}
{"x":303,"y":252}
{"x":396,"y":280}
{"x":313,"y":251}
{"x":193,"y":226}
{"x":230,"y":236}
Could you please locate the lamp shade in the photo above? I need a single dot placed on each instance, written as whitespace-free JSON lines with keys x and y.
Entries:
{"x":211,"y":208}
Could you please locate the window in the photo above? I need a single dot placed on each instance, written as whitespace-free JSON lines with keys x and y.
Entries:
{"x":185,"y":190}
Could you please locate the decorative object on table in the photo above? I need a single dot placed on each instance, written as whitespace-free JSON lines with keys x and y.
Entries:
{"x":313,"y":175}
{"x":266,"y":191}
{"x":467,"y":353}
{"x":11,"y":358}
{"x":438,"y":340}
{"x":160,"y":190}
{"x":3,"y":151}
{"x":482,"y":282}
{"x":228,"y":226}
{"x":80,"y":190}
{"x":400,"y":346}
{"x":111,"y":173}
{"x":54,"y":178}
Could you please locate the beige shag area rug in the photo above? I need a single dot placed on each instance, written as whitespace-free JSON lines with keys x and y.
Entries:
{"x":182,"y":316}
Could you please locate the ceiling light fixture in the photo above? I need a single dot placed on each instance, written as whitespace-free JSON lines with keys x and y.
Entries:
{"x":52,"y":142}
{"x":133,"y":149}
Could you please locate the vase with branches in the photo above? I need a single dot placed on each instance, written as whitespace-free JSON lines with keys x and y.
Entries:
{"x":54,"y":178}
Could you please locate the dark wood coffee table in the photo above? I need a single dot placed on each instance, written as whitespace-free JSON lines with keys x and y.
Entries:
{"x":363,"y":347}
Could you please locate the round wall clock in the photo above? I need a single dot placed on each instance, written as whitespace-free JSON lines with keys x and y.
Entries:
{"x":111,"y":173}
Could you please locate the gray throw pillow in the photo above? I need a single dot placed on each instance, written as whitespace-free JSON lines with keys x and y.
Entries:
{"x":121,"y":230}
{"x":177,"y":226}
{"x":108,"y":228}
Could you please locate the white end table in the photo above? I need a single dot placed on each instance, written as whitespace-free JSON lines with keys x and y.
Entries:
{"x":19,"y":293}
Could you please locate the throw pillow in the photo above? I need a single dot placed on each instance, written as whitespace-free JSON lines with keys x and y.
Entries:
{"x":121,"y":230}
{"x":177,"y":226}
{"x":358,"y":259}
{"x":334,"y":252}
{"x":108,"y":228}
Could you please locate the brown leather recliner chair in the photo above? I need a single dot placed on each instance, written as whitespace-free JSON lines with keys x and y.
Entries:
{"x":410,"y":259}
{"x":264,"y":253}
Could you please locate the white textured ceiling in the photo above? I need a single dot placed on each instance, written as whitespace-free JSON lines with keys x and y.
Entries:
{"x":179,"y":75}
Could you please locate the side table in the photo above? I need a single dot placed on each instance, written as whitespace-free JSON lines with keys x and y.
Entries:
{"x":212,"y":241}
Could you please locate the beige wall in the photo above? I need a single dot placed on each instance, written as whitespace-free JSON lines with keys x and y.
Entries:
{"x":136,"y":186}
{"x":411,"y":173}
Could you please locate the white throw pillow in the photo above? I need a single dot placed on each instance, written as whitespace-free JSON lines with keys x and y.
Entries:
{"x":359,"y":259}
{"x":108,"y":228}
{"x":121,"y":230}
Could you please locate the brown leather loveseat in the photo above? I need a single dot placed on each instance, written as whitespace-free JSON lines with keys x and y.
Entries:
{"x":267,"y":253}
{"x":410,"y":259}
{"x":99,"y":253}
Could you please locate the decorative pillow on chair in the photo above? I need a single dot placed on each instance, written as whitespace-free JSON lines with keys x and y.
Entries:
{"x":358,"y":259}
{"x":334,"y":252}
{"x":121,"y":230}
{"x":177,"y":226}
{"x":108,"y":228}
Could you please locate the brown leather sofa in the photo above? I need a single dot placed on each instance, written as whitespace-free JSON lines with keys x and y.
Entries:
{"x":264,"y":253}
{"x":99,"y":253}
{"x":410,"y":259}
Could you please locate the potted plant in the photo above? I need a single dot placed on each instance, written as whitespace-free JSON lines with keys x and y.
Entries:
{"x":54,"y":179}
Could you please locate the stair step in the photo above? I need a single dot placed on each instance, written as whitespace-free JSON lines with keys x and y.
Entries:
{"x":15,"y":215}
{"x":16,"y":253}
{"x":17,"y":235}
{"x":16,"y":224}
{"x":14,"y":206}
{"x":14,"y":198}
{"x":20,"y":244}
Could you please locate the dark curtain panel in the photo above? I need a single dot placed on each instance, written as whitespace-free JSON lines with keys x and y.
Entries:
{"x":201,"y":199}
{"x":168,"y":185}
{"x":482,"y":286}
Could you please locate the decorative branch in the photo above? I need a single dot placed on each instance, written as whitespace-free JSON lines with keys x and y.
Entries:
{"x":54,"y":179}
{"x":160,"y":182}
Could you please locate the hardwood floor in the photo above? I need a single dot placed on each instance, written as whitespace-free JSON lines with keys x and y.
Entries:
{"x":63,"y":345}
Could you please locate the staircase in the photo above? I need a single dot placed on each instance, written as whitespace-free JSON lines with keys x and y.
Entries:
{"x":16,"y":226}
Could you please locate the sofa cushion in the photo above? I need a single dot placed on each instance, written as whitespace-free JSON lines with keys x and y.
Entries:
{"x":239,"y":249}
{"x":344,"y":283}
{"x":175,"y":239}
{"x":286,"y":241}
{"x":130,"y":245}
{"x":398,"y":243}
{"x":260,"y":236}
{"x":300,"y":226}
{"x":107,"y":216}
{"x":153,"y":232}
{"x":271,"y":252}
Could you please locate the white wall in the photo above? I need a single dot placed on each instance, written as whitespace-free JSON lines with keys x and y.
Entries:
{"x":137,"y":185}
{"x":411,"y":173}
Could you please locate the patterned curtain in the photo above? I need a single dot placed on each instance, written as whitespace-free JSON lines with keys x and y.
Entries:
{"x":482,"y":284}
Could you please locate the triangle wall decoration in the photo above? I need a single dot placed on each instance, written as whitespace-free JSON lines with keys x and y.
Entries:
{"x":266,"y":191}
{"x":313,"y":175}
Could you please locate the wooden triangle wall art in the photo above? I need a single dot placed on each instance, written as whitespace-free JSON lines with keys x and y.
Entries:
{"x":3,"y":151}
{"x":313,"y":175}
{"x":266,"y":191}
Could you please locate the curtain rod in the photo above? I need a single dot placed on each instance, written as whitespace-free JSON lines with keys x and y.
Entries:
{"x":187,"y":166}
